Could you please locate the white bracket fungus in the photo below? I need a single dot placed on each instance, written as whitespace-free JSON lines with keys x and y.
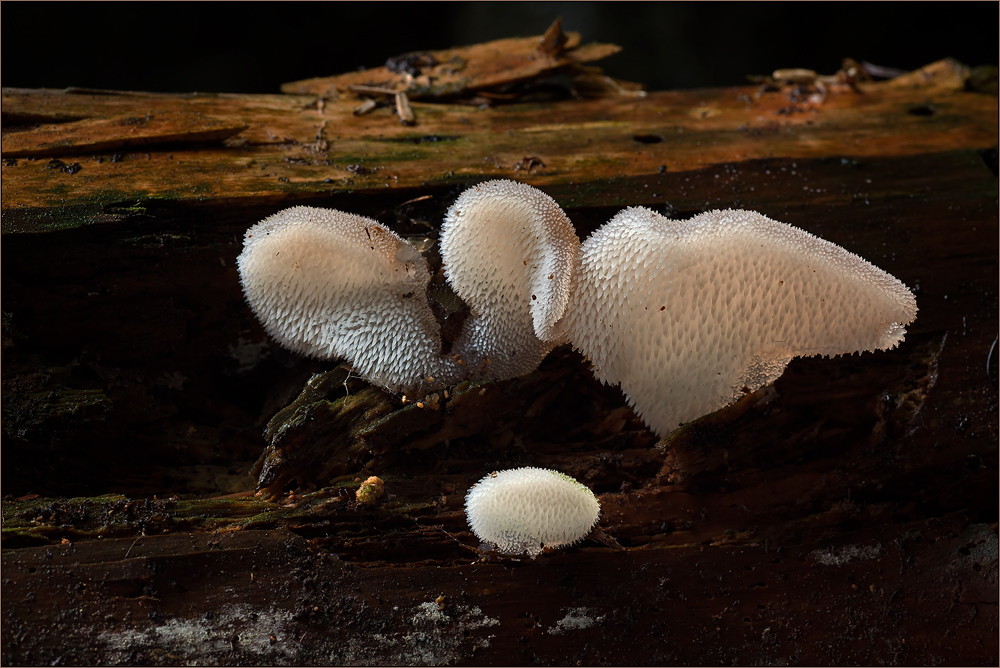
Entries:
{"x":335,"y":285}
{"x":509,"y":252}
{"x":686,"y":314}
{"x":523,"y":510}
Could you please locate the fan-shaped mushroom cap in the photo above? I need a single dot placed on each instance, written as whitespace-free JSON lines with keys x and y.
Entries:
{"x":523,"y":510}
{"x":509,"y":252}
{"x":685,"y":314}
{"x":331,"y":284}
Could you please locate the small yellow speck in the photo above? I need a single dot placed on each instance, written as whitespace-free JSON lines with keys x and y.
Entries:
{"x":370,"y":491}
{"x":420,"y":404}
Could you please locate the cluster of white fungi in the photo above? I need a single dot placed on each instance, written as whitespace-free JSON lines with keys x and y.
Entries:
{"x":684,"y":315}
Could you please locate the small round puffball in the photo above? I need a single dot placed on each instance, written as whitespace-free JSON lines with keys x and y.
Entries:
{"x":522,"y":510}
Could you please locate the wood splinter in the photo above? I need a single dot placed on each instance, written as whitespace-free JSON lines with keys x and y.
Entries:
{"x":404,"y":110}
{"x":554,"y":39}
{"x":365,"y":107}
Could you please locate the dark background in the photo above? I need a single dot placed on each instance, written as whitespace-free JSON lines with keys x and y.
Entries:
{"x":251,"y":47}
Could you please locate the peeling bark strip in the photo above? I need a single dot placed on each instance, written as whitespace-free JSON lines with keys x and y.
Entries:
{"x":845,"y":515}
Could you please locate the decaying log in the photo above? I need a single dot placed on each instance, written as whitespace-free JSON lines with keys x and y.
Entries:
{"x":845,"y":515}
{"x":596,"y":153}
{"x":907,"y":593}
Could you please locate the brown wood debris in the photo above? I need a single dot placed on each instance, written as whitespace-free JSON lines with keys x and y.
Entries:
{"x":459,"y":72}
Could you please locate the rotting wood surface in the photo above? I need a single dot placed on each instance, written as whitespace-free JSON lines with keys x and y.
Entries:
{"x":590,"y":153}
{"x":845,"y":515}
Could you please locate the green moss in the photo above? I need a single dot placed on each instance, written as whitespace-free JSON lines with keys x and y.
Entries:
{"x":416,"y":138}
{"x":45,"y":521}
{"x":57,"y":189}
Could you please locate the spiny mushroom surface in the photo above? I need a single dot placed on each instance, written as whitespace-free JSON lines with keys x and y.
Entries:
{"x":686,"y":314}
{"x":509,"y":252}
{"x":336,"y":285}
{"x":523,"y":510}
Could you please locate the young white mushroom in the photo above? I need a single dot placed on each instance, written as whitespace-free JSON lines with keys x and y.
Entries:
{"x":509,"y":252}
{"x":523,"y":510}
{"x":335,"y":285}
{"x":689,"y":315}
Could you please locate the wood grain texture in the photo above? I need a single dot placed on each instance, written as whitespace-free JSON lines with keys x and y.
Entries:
{"x":116,"y":133}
